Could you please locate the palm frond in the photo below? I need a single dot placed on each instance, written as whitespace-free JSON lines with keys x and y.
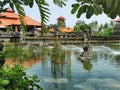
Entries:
{"x":44,"y":11}
{"x":60,"y":3}
{"x":21,"y":13}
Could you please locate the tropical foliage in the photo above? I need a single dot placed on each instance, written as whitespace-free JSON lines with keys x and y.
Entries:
{"x":82,"y":27}
{"x":60,"y":56}
{"x":60,"y":23}
{"x":96,"y":7}
{"x":15,"y":78}
{"x":20,"y":53}
{"x":106,"y":29}
{"x":94,"y":27}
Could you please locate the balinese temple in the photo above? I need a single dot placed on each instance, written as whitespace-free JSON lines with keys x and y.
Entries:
{"x":61,"y":21}
{"x":62,"y":27}
{"x":10,"y":18}
{"x":117,"y":26}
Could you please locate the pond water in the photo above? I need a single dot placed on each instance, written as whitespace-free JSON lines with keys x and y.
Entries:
{"x":102,"y":72}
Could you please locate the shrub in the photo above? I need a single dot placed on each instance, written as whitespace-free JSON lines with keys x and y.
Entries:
{"x":15,"y":78}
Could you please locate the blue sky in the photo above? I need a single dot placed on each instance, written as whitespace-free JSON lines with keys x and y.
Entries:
{"x":66,"y":12}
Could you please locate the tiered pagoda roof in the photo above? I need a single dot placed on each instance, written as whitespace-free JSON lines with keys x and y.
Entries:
{"x":61,"y":18}
{"x":9,"y":17}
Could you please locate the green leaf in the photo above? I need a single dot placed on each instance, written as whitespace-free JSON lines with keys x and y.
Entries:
{"x":97,"y":9}
{"x":79,"y":12}
{"x":4,"y":82}
{"x":78,"y":0}
{"x":75,"y":7}
{"x":2,"y":88}
{"x":60,"y":3}
{"x":116,"y":4}
{"x":113,"y":15}
{"x":118,"y":8}
{"x":82,"y":10}
{"x":112,"y":6}
{"x":89,"y":12}
{"x":31,"y":2}
{"x":44,"y":11}
{"x":109,"y":3}
{"x":25,"y":2}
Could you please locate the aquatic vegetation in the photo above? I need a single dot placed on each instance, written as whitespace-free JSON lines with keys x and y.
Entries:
{"x":28,"y":53}
{"x":20,"y":53}
{"x":60,"y":62}
{"x":14,"y":52}
{"x":44,"y":53}
{"x":60,"y":56}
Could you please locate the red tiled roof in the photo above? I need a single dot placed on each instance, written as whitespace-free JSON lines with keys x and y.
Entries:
{"x":31,"y":22}
{"x":7,"y":22}
{"x":64,"y":29}
{"x":11,"y":18}
{"x":9,"y":13}
{"x":61,"y":18}
{"x":52,"y":29}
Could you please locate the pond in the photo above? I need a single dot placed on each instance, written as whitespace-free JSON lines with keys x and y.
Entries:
{"x":102,"y":72}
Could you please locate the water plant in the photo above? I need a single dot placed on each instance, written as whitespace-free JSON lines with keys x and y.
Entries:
{"x":57,"y":56}
{"x":60,"y":56}
{"x":14,"y":52}
{"x":44,"y":52}
{"x":15,"y":78}
{"x":28,"y":52}
{"x":20,"y":53}
{"x":60,"y":62}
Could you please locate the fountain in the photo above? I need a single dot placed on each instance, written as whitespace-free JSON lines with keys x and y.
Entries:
{"x":102,"y":71}
{"x":106,"y":49}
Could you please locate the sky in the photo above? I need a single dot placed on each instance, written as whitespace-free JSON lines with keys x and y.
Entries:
{"x":65,"y":12}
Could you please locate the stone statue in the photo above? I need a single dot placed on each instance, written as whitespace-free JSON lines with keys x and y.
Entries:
{"x":86,"y":51}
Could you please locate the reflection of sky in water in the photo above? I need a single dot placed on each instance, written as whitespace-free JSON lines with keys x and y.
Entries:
{"x":102,"y":75}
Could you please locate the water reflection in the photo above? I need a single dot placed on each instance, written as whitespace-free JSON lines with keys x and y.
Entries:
{"x":60,"y":63}
{"x":64,"y":71}
{"x":87,"y":65}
